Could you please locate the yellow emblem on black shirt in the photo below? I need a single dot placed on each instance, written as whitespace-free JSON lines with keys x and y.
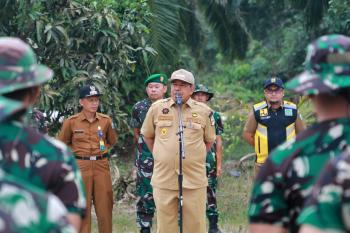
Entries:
{"x":263,"y":112}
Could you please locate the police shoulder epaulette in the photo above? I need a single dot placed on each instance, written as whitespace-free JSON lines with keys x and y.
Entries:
{"x":260,"y":105}
{"x":102,"y":115}
{"x":72,"y":117}
{"x":288,"y":104}
{"x":161,"y":101}
{"x":203,"y":105}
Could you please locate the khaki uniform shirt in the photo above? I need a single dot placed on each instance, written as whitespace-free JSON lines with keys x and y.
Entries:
{"x":82,"y":136}
{"x":162,"y":124}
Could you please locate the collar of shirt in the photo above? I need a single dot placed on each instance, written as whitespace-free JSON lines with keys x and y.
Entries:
{"x":83,"y":117}
{"x":190,"y":102}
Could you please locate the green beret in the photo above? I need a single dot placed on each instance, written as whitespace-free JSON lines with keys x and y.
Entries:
{"x":157,"y":78}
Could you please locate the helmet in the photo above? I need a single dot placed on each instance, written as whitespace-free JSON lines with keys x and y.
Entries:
{"x":204,"y":89}
{"x":18,"y":66}
{"x":327,"y":66}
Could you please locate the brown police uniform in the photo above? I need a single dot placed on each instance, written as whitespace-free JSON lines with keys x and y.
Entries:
{"x":82,"y":136}
{"x":161,"y":124}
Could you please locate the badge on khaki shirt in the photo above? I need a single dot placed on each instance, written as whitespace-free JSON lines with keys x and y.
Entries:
{"x":165,"y":110}
{"x":165,"y":118}
{"x":78,"y":131}
{"x":164,"y":131}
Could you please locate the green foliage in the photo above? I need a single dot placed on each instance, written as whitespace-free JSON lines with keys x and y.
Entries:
{"x":83,"y":42}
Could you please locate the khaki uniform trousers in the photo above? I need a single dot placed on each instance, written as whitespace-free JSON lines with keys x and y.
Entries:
{"x":193,"y":210}
{"x":98,"y":184}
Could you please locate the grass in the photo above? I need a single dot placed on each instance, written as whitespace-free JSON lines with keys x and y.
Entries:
{"x":233,"y":196}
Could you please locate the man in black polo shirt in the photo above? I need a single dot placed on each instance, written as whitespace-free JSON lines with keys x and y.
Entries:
{"x":271,"y":121}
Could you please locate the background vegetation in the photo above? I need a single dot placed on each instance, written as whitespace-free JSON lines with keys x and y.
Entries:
{"x":230,"y":45}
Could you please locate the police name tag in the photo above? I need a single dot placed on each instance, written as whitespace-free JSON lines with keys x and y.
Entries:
{"x":288,"y":112}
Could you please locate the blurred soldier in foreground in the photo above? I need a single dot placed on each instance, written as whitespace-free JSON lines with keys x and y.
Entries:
{"x":145,"y":207}
{"x":213,"y":160}
{"x":90,"y":134}
{"x":160,"y":130}
{"x":286,"y":179}
{"x":26,"y":208}
{"x":271,"y":122}
{"x":328,"y":209}
{"x":27,"y":154}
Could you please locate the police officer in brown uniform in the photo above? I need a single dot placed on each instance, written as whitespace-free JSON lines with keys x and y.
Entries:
{"x":160,"y":130}
{"x":90,"y":134}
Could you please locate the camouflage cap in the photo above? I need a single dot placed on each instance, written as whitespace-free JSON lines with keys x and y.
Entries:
{"x":327,"y":66}
{"x":204,"y":89}
{"x":18,"y":66}
{"x":182,"y":75}
{"x":8,"y":107}
{"x":157,"y":78}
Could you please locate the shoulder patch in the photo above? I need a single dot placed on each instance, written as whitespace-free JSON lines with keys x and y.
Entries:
{"x":260,"y":105}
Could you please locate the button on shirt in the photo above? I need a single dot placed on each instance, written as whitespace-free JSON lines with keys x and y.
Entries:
{"x":162,"y":124}
{"x":82,"y":136}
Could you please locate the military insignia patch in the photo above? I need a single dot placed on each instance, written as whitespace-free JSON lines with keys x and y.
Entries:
{"x":263,"y":112}
{"x":164,"y":131}
{"x":288,"y":112}
{"x":165,"y":110}
{"x":194,"y":114}
{"x":161,"y":78}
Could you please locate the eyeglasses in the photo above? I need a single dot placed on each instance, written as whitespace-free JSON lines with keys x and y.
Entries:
{"x":271,"y":91}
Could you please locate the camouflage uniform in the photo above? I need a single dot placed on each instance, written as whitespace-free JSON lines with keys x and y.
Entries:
{"x":25,"y":208}
{"x":212,"y":208}
{"x":328,"y":207}
{"x":145,"y":206}
{"x":287,"y":178}
{"x":26,"y":154}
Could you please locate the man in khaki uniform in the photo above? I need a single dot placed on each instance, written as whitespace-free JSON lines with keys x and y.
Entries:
{"x":160,"y":130}
{"x":90,"y":134}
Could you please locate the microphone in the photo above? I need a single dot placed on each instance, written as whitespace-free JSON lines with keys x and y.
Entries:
{"x":178,"y":98}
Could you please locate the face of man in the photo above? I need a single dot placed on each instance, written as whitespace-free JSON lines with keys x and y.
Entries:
{"x":274,"y":95}
{"x":183,"y":88}
{"x":90,"y":104}
{"x":201,"y":97}
{"x":156,"y":91}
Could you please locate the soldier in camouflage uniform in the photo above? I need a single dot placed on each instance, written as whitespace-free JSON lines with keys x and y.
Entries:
{"x":285,"y":181}
{"x":26,"y":208}
{"x":145,"y":207}
{"x":25,"y":153}
{"x":213,"y":160}
{"x":328,"y":208}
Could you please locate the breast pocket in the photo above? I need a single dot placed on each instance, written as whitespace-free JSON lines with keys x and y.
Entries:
{"x":164,"y":129}
{"x":193,"y":131}
{"x":78,"y":134}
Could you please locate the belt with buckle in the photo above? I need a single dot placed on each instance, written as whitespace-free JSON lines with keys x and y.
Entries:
{"x":92,"y":157}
